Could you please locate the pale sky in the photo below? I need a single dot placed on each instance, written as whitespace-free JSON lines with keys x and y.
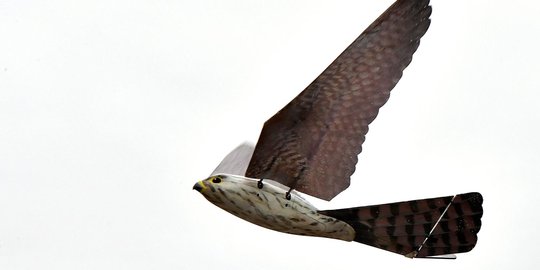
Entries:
{"x":110,"y":111}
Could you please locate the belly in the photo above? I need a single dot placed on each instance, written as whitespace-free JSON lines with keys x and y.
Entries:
{"x":270,"y":209}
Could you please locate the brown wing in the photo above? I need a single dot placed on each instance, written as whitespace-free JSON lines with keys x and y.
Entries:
{"x":419,"y":228}
{"x":312,"y":144}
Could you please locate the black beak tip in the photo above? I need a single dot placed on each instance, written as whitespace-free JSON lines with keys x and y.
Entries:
{"x":197,"y":187}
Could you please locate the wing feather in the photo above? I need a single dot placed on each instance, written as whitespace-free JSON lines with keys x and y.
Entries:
{"x":236,"y":162}
{"x":312,"y":143}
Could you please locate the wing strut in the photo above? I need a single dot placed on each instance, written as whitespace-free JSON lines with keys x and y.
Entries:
{"x":448,"y":256}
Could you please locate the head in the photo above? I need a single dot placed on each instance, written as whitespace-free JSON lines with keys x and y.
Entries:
{"x":203,"y":185}
{"x":220,"y":189}
{"x":232,"y":191}
{"x":209,"y":186}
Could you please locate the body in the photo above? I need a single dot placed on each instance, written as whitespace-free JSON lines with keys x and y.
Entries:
{"x":268,"y":206}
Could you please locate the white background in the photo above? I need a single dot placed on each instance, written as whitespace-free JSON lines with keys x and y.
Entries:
{"x":110,"y":111}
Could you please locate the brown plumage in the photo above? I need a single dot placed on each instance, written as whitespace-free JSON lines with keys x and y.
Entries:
{"x":413,"y":228}
{"x":312,"y":144}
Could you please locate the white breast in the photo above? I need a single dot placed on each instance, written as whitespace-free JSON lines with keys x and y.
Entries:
{"x":268,"y":207}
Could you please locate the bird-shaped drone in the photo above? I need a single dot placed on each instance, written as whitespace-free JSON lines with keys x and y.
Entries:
{"x":312,"y":144}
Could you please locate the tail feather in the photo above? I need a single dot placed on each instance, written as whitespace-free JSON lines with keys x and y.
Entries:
{"x":418,"y":228}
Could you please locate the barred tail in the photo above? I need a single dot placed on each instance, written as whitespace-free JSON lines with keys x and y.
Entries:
{"x":418,"y":228}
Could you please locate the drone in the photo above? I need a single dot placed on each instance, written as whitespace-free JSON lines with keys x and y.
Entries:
{"x":311,"y":146}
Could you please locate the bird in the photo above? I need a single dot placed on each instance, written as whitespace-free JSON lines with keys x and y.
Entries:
{"x":311,"y":146}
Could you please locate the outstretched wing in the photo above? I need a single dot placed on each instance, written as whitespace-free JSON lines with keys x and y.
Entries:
{"x":236,"y":162}
{"x":312,"y":144}
{"x":419,"y":228}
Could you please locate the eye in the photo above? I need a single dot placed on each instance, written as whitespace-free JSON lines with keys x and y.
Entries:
{"x":216,"y":180}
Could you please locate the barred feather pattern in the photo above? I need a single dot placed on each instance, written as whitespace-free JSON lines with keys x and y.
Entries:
{"x":312,"y":143}
{"x":417,"y":228}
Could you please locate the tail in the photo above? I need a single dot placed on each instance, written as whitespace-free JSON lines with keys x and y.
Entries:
{"x":418,"y":228}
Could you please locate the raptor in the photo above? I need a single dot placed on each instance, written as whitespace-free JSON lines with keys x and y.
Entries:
{"x":311,"y":146}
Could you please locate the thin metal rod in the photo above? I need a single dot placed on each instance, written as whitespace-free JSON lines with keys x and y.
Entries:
{"x":433,"y":229}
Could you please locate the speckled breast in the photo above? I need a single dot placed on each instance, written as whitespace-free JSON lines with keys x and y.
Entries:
{"x":269,"y":208}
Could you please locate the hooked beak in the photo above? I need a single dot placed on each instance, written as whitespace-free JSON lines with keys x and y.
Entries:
{"x":199,"y":186}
